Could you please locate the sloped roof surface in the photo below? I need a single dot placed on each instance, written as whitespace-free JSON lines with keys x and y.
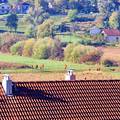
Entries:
{"x":112,"y":32}
{"x":63,"y":100}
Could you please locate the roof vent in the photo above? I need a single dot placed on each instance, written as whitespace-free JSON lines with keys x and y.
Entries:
{"x":70,"y":75}
{"x":7,"y":85}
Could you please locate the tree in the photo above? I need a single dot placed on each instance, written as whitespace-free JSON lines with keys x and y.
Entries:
{"x":99,"y":21}
{"x":12,"y":21}
{"x":45,"y":29}
{"x":114,"y":20}
{"x":72,"y":15}
{"x":60,"y":5}
{"x":35,"y":17}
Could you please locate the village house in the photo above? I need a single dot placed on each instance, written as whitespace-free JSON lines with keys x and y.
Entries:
{"x":60,"y":100}
{"x":5,"y":8}
{"x":22,"y":7}
{"x":3,"y":1}
{"x":94,"y":31}
{"x":111,"y":35}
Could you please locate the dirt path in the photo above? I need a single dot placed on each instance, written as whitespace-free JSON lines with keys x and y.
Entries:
{"x":88,"y":75}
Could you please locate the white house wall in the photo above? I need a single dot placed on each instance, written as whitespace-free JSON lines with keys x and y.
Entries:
{"x":112,"y":39}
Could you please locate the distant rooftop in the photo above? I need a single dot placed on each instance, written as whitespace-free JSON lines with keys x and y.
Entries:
{"x":112,"y":32}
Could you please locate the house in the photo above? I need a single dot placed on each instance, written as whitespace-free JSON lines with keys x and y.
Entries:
{"x":111,"y":35}
{"x":3,"y":1}
{"x":115,"y":5}
{"x":5,"y":8}
{"x":95,"y":31}
{"x":60,"y":100}
{"x":22,"y":7}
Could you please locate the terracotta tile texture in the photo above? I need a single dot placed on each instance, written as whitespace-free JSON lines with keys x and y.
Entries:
{"x":112,"y":32}
{"x":62,"y":100}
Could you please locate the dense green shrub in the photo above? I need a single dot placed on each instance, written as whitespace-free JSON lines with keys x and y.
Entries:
{"x":68,"y":51}
{"x":47,"y":48}
{"x":28,"y":46}
{"x":80,"y":53}
{"x":40,"y":52}
{"x":41,"y":48}
{"x":17,"y":48}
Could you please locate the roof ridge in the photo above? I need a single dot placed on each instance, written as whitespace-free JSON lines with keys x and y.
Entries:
{"x":113,"y":80}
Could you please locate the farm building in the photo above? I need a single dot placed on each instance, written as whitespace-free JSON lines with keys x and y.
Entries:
{"x":111,"y":35}
{"x":60,"y":100}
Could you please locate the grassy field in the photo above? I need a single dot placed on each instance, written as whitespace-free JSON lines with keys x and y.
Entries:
{"x":50,"y":65}
{"x":72,"y":38}
{"x":69,"y":38}
{"x":21,"y":25}
{"x":54,"y":70}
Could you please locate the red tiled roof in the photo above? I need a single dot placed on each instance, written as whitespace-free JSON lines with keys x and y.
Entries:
{"x":63,"y":100}
{"x":112,"y":32}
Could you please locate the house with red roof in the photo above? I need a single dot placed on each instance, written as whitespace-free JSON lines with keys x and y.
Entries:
{"x":60,"y":100}
{"x":111,"y":35}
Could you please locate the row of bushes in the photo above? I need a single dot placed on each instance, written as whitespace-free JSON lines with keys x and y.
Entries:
{"x":80,"y":53}
{"x":48,"y":48}
{"x":42,"y":48}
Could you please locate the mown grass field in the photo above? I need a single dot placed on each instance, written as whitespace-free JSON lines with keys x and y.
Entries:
{"x":72,"y":38}
{"x":69,"y":38}
{"x":49,"y":65}
{"x":54,"y":70}
{"x":21,"y":25}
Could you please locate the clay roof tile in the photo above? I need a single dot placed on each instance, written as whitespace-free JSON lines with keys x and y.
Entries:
{"x":63,"y":100}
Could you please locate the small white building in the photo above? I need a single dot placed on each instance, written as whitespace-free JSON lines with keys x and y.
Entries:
{"x":111,"y":35}
{"x":95,"y":31}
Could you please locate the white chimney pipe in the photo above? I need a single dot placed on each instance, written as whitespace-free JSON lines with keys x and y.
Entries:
{"x":70,"y":75}
{"x":7,"y":85}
